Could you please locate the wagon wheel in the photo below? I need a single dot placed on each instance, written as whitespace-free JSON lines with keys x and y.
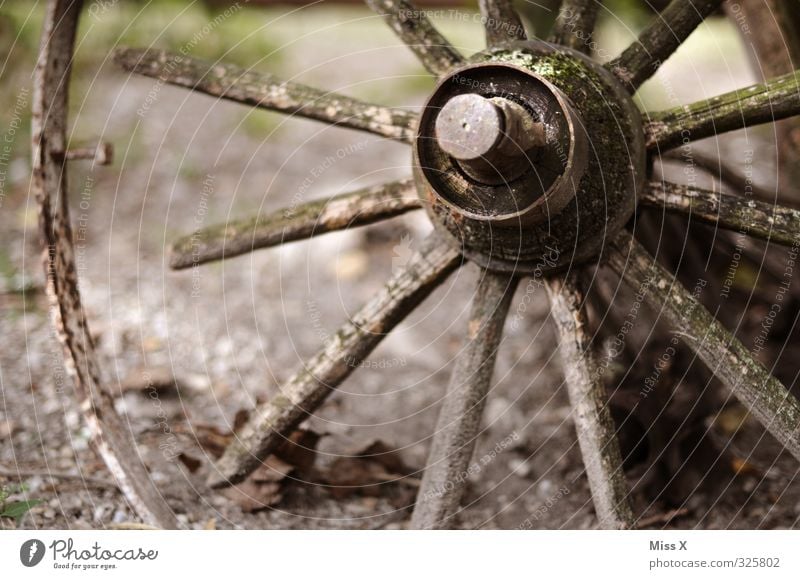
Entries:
{"x":530,"y":158}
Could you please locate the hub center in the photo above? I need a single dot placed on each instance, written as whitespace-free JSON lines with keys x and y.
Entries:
{"x":528,"y":148}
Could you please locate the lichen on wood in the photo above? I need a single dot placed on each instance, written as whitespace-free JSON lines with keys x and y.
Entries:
{"x":765,"y":397}
{"x":411,"y":24}
{"x":662,"y":37}
{"x":273,"y":421}
{"x":458,"y":425}
{"x":267,"y":91}
{"x":767,"y":102}
{"x":593,"y":423}
{"x":737,"y":213}
{"x":302,"y":221}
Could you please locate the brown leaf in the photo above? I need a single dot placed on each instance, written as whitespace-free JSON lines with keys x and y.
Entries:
{"x":366,"y":472}
{"x":253,"y":496}
{"x":300,"y":449}
{"x":159,"y":379}
{"x":190,"y":462}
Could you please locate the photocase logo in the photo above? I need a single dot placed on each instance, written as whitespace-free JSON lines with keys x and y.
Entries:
{"x":402,"y":253}
{"x":31,"y":552}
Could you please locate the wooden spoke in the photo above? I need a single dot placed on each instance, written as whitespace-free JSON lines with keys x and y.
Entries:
{"x":575,"y":24}
{"x":354,"y":209}
{"x":459,"y":421}
{"x":587,"y":396}
{"x":108,"y":433}
{"x":756,"y":218}
{"x":659,"y":40}
{"x":501,"y":22}
{"x":312,"y":384}
{"x":415,"y":30}
{"x":773,"y":100}
{"x":717,"y":168}
{"x":267,"y":91}
{"x":768,"y":401}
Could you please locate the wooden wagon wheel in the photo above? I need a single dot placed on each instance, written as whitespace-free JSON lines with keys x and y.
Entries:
{"x":530,"y":159}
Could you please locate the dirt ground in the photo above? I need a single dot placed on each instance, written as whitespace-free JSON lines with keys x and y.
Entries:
{"x":228,"y":334}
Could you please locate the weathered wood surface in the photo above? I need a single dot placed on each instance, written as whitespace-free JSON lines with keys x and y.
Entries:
{"x":267,"y":91}
{"x":765,"y":397}
{"x":776,"y":99}
{"x":587,"y":395}
{"x":501,"y":22}
{"x":273,"y":421}
{"x":109,"y":434}
{"x":458,"y":426}
{"x":662,"y":37}
{"x":411,"y":24}
{"x":737,"y":213}
{"x":574,"y":26}
{"x":306,"y":220}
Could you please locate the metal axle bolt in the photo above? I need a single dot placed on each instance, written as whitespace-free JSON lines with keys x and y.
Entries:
{"x":488,"y":137}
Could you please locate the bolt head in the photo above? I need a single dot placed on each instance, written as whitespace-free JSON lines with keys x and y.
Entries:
{"x":468,"y":127}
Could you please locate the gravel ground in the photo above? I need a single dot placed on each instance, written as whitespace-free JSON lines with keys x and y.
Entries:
{"x":229,"y":334}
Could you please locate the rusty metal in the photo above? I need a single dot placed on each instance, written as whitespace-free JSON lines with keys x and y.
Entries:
{"x":489,"y":138}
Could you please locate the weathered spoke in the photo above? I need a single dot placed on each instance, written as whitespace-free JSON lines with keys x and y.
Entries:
{"x":353,"y":209}
{"x":659,"y":40}
{"x":756,"y":218}
{"x":305,"y":392}
{"x":459,"y":421}
{"x":413,"y":27}
{"x":587,"y":396}
{"x":267,"y":91}
{"x":501,"y":22}
{"x":575,"y":24}
{"x":109,"y":435}
{"x":765,"y":397}
{"x":771,"y":101}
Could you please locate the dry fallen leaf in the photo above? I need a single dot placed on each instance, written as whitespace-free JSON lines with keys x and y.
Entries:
{"x":366,"y":471}
{"x":263,"y":488}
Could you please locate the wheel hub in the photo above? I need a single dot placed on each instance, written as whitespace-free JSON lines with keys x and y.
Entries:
{"x":529,"y":152}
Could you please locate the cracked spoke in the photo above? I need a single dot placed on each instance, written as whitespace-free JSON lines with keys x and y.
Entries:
{"x":273,"y":421}
{"x":345,"y":211}
{"x":267,"y":91}
{"x":765,"y":397}
{"x":662,"y":37}
{"x":776,"y":99}
{"x":459,"y":420}
{"x":756,"y":218}
{"x":413,"y":27}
